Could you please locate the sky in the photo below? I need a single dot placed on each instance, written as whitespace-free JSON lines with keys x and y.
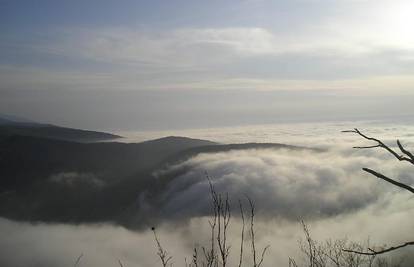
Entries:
{"x":145,"y":65}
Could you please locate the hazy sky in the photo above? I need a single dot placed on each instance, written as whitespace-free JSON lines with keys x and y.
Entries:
{"x":162,"y":64}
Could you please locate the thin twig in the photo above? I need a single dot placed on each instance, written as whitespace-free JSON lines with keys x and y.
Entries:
{"x":262,"y":256}
{"x":242,"y":233}
{"x":162,"y":253}
{"x":78,"y":260}
{"x":252,"y":231}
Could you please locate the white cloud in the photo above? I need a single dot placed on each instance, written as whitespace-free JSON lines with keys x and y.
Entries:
{"x":284,"y":183}
{"x":180,"y":48}
{"x":245,"y":41}
{"x":362,"y":44}
{"x":73,"y":178}
{"x":320,"y":57}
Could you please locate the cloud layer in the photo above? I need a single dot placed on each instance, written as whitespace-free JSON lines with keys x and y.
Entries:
{"x":102,"y":245}
{"x":212,"y":58}
{"x":325,"y":187}
{"x":284,"y":183}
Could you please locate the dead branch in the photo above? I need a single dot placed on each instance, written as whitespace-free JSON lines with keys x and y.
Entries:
{"x":292,"y":262}
{"x":256,"y":262}
{"x":311,"y":246}
{"x":242,"y":234}
{"x":378,"y":252}
{"x":223,"y":208}
{"x":392,"y":181}
{"x":195,"y":257}
{"x":78,"y":260}
{"x":407,"y":156}
{"x":210,"y":254}
{"x":403,"y":150}
{"x":162,"y":253}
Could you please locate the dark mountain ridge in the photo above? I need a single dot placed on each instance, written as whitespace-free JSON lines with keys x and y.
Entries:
{"x":10,"y":126}
{"x":49,"y":180}
{"x":53,"y":180}
{"x":10,"y":119}
{"x":54,"y":132}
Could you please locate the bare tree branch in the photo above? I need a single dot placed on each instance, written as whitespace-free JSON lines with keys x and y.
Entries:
{"x":253,"y":245}
{"x":195,"y":257}
{"x":210,"y":254}
{"x":363,"y":147}
{"x":406,"y":156}
{"x":403,"y":150}
{"x":242,"y":234}
{"x":162,"y":253}
{"x":262,"y":256}
{"x":256,"y":262}
{"x":409,"y":157}
{"x":292,"y":262}
{"x":78,"y":260}
{"x":392,"y":181}
{"x":373,"y":252}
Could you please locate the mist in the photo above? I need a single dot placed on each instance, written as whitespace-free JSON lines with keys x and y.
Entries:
{"x":47,"y":245}
{"x":187,"y":109}
{"x":325,"y":187}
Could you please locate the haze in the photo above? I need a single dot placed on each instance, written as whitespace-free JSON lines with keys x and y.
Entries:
{"x":188,"y":64}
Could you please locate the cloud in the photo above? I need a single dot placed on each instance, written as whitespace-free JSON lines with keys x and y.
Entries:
{"x":359,"y":45}
{"x":287,"y":184}
{"x":326,"y":135}
{"x":60,"y":245}
{"x":73,"y":178}
{"x":284,"y":183}
{"x":102,"y":245}
{"x":208,"y":58}
{"x":244,"y":41}
{"x":183,"y":48}
{"x":179,"y":48}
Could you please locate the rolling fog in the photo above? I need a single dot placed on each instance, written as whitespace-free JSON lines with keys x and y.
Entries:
{"x":325,"y":187}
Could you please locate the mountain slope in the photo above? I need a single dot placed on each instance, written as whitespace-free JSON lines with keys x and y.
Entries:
{"x":54,"y":180}
{"x":11,"y":125}
{"x":54,"y":132}
{"x":9,"y":119}
{"x":22,"y":157}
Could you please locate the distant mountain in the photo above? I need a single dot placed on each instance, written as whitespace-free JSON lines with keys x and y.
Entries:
{"x":55,"y":132}
{"x":5,"y":121}
{"x":10,"y":126}
{"x":53,"y":180}
{"x":10,"y":119}
{"x":42,"y":156}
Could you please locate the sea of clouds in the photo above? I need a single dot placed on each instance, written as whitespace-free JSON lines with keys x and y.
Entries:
{"x":325,"y":187}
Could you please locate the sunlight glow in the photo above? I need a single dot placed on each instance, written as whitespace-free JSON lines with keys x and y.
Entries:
{"x":398,"y":22}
